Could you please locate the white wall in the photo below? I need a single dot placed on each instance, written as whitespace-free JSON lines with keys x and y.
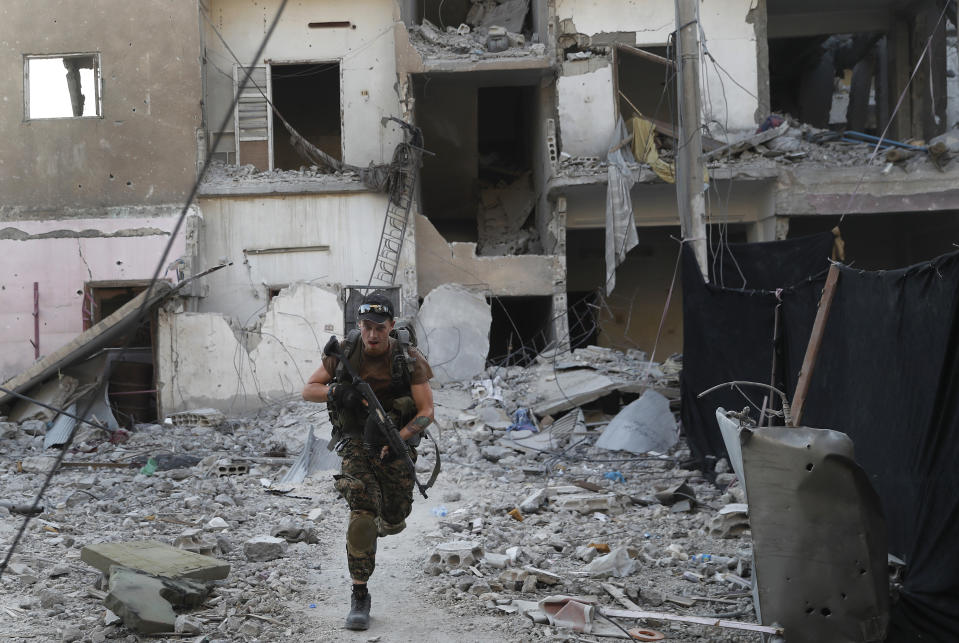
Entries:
{"x":203,"y":361}
{"x":55,"y":255}
{"x":366,"y":57}
{"x":350,"y":224}
{"x":728,"y":37}
{"x":586,"y":111}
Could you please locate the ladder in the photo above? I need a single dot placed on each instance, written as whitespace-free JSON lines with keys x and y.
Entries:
{"x":401,"y":185}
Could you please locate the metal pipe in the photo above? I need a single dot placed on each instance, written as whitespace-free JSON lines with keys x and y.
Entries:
{"x":36,"y":320}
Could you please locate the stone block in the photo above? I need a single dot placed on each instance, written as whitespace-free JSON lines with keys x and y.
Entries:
{"x":499,"y":561}
{"x":534,"y":501}
{"x":513,"y":579}
{"x":264,"y":548}
{"x":586,"y":503}
{"x":456,"y":554}
{"x":154,"y":558}
{"x":145,"y":602}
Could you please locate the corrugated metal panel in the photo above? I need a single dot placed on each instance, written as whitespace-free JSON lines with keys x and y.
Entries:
{"x":62,"y":427}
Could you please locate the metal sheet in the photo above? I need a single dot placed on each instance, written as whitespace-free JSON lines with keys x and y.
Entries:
{"x":819,"y":536}
{"x":62,"y":427}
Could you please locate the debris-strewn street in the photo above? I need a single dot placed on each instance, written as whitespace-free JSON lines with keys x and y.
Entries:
{"x":506,"y":523}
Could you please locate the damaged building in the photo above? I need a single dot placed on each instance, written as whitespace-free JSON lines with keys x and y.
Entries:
{"x":517,"y":105}
{"x":507,"y":170}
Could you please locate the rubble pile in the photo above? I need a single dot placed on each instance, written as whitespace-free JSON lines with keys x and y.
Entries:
{"x":798,"y":145}
{"x":579,"y":520}
{"x":471,"y":42}
{"x":221,"y":174}
{"x":529,"y":515}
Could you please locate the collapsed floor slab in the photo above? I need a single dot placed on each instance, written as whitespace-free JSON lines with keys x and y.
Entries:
{"x":155,"y":558}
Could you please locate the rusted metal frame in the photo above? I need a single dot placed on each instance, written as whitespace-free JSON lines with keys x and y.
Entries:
{"x":815,"y":342}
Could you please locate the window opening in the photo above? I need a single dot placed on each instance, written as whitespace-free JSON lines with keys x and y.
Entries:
{"x":131,"y":389}
{"x":62,"y":86}
{"x":308,"y":96}
{"x":478,"y":186}
{"x":519,"y":330}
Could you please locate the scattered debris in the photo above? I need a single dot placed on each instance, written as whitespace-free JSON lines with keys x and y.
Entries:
{"x":642,"y":426}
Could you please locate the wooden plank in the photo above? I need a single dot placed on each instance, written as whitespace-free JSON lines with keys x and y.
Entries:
{"x":815,"y":342}
{"x":698,"y":620}
{"x":618,"y":594}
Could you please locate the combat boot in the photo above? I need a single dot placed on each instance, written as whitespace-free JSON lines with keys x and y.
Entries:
{"x":359,"y":616}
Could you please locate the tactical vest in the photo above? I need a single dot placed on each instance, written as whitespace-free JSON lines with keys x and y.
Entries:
{"x":397,"y":402}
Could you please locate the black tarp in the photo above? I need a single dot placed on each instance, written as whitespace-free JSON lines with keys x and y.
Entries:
{"x":887,"y":375}
{"x":728,"y":332}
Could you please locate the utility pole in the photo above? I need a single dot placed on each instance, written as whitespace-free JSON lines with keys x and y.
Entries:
{"x":690,"y":185}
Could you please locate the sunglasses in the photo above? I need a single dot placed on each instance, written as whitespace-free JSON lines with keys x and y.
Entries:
{"x":378,"y":309}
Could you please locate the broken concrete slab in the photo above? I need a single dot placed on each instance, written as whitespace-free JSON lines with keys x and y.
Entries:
{"x":154,"y":558}
{"x":534,"y":501}
{"x":565,"y":390}
{"x":587,"y":503}
{"x":452,"y":330}
{"x":145,"y":602}
{"x":54,"y":392}
{"x":644,"y":425}
{"x":731,"y":521}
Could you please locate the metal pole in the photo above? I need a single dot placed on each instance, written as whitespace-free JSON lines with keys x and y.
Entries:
{"x":36,"y":320}
{"x":690,"y":185}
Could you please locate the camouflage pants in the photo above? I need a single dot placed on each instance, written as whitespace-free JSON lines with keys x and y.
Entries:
{"x":380,"y":497}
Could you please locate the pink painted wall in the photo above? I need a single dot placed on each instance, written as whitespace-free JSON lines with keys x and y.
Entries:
{"x":62,"y":266}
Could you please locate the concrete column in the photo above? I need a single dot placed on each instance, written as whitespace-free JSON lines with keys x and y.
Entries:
{"x":771,"y":228}
{"x":560,"y":315}
{"x":900,"y":69}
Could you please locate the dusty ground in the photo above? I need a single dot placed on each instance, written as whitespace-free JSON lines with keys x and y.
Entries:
{"x":304,"y":595}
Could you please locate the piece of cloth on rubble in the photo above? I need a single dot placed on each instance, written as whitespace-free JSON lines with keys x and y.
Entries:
{"x":644,"y":149}
{"x":621,"y":234}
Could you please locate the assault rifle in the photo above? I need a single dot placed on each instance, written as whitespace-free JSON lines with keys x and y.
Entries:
{"x":376,"y":411}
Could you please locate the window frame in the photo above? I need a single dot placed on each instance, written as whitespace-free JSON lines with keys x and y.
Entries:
{"x":97,"y":85}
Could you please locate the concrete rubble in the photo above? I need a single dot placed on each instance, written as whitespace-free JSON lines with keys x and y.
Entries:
{"x":452,"y":331}
{"x":642,"y":426}
{"x":517,"y":523}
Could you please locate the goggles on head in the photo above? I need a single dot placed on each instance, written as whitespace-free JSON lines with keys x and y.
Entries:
{"x":376,"y":309}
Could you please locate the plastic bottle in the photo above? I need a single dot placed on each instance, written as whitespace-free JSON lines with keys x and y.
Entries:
{"x":439,"y":512}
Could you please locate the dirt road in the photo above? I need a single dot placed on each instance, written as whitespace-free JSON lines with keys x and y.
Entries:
{"x":403,"y":607}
